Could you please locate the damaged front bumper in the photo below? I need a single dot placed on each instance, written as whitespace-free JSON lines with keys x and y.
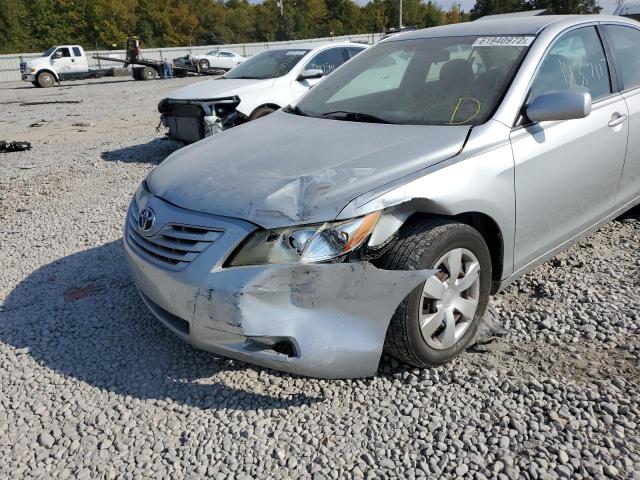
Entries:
{"x":192,"y":120}
{"x":320,"y":320}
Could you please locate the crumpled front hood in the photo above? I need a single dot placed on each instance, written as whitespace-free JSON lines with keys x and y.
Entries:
{"x":218,"y":88}
{"x":285,"y":169}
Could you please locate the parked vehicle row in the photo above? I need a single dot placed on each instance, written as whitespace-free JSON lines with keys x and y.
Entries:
{"x":69,"y":62}
{"x":383,"y":207}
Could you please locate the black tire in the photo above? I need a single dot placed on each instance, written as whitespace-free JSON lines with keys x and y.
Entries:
{"x":204,"y":64}
{"x":261,"y":112}
{"x":419,"y":245}
{"x":35,"y":84}
{"x":45,"y":80}
{"x":149,"y":73}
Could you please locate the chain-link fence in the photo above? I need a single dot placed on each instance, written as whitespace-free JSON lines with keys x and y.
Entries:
{"x":10,"y":64}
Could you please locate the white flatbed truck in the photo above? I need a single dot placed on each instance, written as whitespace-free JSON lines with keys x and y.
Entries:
{"x":62,"y":63}
{"x":69,"y":62}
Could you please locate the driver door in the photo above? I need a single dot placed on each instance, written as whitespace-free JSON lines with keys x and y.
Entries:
{"x":64,"y":64}
{"x":567,"y":172}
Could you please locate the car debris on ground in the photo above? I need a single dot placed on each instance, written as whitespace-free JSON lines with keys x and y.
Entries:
{"x":6,"y":147}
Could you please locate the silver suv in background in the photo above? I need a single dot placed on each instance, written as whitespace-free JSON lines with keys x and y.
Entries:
{"x":384,"y":207}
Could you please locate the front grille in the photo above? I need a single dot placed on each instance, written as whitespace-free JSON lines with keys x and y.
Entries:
{"x":174,"y":246}
{"x":23,"y":67}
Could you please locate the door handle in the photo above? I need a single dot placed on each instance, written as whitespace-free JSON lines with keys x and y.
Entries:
{"x":617,"y":119}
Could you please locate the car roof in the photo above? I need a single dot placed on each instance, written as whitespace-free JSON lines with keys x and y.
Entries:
{"x":512,"y":25}
{"x":316,"y":46}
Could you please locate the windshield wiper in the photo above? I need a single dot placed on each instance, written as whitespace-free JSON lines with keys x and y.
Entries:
{"x":296,"y":111}
{"x":243,"y":77}
{"x":355,"y":117}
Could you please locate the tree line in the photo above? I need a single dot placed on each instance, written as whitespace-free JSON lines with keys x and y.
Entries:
{"x":33,"y":25}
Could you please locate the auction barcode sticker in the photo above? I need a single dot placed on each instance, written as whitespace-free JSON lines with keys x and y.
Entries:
{"x":523,"y":41}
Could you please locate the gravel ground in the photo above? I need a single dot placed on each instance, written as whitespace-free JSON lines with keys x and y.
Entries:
{"x":93,"y":387}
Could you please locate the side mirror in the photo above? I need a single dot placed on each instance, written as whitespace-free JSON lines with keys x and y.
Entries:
{"x":311,"y":73}
{"x":559,"y":105}
{"x":57,"y":54}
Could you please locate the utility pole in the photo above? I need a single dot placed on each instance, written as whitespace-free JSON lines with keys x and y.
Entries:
{"x":400,"y":19}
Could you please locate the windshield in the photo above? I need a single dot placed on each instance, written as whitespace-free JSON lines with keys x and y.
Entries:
{"x":49,"y":52}
{"x":435,"y":81}
{"x":268,"y":64}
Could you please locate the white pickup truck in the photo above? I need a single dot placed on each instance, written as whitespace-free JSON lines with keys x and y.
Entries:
{"x":63,"y":62}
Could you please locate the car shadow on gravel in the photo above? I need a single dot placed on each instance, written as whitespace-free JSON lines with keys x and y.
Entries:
{"x":81,"y":317}
{"x":152,"y":152}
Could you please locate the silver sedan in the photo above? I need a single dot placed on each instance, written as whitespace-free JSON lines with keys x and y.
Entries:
{"x":383,"y":208}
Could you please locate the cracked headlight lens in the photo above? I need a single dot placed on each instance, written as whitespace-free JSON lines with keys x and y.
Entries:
{"x":305,"y":243}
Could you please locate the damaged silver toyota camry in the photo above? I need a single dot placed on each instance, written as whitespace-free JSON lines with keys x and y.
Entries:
{"x":382,"y":209}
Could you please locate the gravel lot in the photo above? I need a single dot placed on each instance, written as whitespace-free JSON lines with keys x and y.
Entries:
{"x":92,"y":387}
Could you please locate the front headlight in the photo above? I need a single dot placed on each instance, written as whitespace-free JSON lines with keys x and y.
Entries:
{"x":305,"y":243}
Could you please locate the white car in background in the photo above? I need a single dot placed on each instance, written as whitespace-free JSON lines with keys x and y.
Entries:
{"x":222,"y":59}
{"x":262,"y":84}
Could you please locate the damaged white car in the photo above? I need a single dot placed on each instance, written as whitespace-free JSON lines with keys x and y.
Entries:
{"x":383,"y":208}
{"x":262,"y":84}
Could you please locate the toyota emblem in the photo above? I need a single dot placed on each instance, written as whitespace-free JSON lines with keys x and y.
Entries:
{"x":146,"y":219}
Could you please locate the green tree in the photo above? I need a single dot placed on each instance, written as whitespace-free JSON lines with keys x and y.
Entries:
{"x":432,"y":15}
{"x":566,"y":6}
{"x":493,"y":7}
{"x":13,"y":34}
{"x":114,"y":21}
{"x":266,"y":19}
{"x":375,"y":16}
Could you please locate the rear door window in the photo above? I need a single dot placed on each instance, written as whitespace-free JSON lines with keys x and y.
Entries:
{"x":353,"y":51}
{"x":76,"y":52}
{"x":626,"y":42}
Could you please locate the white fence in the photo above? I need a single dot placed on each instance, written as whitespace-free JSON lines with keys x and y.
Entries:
{"x":10,"y":64}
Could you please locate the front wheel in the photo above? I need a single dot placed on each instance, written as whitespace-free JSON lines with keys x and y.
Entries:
{"x":261,"y":112}
{"x":439,"y":319}
{"x":45,"y":80}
